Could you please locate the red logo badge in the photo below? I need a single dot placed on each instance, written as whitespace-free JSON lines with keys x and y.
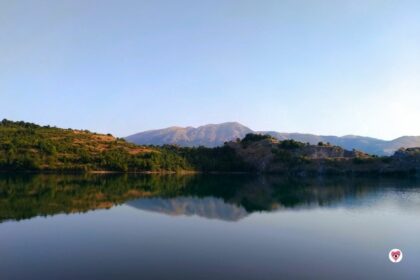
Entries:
{"x":395,"y":255}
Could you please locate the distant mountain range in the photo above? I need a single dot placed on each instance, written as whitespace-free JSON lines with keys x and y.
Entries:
{"x":213,"y":135}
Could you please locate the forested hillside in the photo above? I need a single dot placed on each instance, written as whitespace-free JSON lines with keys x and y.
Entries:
{"x":27,"y":146}
{"x":30,"y":147}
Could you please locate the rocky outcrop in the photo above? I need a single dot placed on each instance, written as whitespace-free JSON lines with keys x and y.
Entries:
{"x":406,"y":159}
{"x":410,"y":153}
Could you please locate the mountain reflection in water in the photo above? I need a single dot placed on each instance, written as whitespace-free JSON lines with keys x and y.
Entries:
{"x":224,"y":197}
{"x":208,"y":207}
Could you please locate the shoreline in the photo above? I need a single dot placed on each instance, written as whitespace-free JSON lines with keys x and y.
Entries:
{"x":367,"y":174}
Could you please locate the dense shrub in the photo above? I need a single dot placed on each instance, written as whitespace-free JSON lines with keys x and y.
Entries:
{"x":252,"y":137}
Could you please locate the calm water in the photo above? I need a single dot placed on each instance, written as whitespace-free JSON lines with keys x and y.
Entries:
{"x":207,"y":227}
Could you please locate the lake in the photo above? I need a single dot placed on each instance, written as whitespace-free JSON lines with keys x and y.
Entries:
{"x":207,"y":227}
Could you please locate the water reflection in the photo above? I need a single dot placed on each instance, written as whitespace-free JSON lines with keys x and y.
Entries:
{"x":207,"y":207}
{"x":224,"y":197}
{"x":243,"y":227}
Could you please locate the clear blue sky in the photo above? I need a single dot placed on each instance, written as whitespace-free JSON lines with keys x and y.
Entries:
{"x":324,"y":67}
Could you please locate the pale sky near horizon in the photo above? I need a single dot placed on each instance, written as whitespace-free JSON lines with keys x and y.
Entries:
{"x":323,"y":67}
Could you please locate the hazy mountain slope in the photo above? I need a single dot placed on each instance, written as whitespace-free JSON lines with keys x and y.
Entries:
{"x":366,"y":144}
{"x":402,"y":142}
{"x":216,"y":134}
{"x":349,"y":142}
{"x":210,"y":135}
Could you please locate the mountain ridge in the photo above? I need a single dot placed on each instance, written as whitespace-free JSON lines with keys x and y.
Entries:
{"x":213,"y":135}
{"x":30,"y":147}
{"x":210,"y":135}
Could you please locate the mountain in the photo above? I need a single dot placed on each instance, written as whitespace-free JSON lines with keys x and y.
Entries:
{"x":210,"y":135}
{"x":213,"y":135}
